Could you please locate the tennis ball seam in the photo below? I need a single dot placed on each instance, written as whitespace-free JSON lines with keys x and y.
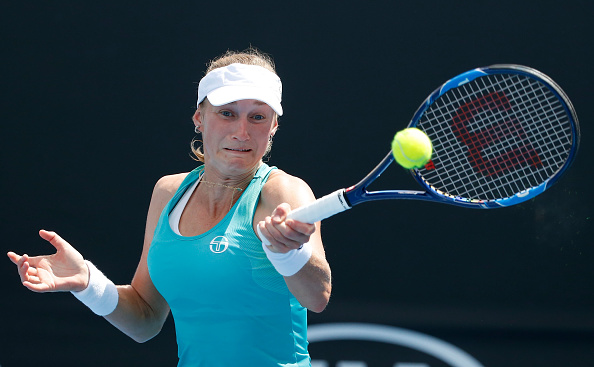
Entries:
{"x":422,"y":159}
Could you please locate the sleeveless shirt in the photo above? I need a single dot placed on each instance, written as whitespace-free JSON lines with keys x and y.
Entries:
{"x":230,"y":306}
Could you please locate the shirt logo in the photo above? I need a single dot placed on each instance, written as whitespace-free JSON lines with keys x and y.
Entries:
{"x":219,"y":244}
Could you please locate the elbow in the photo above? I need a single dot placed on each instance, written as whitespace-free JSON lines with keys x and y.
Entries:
{"x":311,"y":288}
{"x":318,"y":308}
{"x":138,"y":319}
{"x":320,"y":303}
{"x":146,"y":335}
{"x":140,"y":339}
{"x":314,"y":301}
{"x":147,"y":330}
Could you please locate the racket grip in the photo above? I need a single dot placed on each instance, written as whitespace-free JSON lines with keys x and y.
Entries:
{"x":322,"y":208}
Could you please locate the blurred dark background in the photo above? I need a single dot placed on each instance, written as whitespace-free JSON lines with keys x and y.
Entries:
{"x":96,"y":106}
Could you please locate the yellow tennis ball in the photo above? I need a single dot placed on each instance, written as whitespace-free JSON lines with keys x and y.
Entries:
{"x":411,"y":148}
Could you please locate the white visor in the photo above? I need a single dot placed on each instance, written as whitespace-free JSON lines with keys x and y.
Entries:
{"x":239,"y":81}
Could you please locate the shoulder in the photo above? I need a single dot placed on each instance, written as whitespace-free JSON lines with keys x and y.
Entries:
{"x":280,"y":179}
{"x":164,"y":190}
{"x":166,"y":187}
{"x":282,"y":187}
{"x":170,"y":183}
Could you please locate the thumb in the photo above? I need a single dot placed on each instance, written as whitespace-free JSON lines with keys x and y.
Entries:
{"x":52,"y":237}
{"x":280,"y":213}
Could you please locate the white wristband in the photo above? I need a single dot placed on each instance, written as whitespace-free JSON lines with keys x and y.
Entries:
{"x":101,"y":295}
{"x":289,"y":263}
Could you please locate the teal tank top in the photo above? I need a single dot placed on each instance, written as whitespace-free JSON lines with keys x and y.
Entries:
{"x":230,"y":306}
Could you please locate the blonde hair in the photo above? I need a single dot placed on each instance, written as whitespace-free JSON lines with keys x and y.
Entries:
{"x":250,"y":56}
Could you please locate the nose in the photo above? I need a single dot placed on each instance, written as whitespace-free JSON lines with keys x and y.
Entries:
{"x":241,"y":132}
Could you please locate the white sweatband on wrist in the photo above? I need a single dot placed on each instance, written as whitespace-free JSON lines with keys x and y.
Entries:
{"x":289,"y":263}
{"x":101,"y":295}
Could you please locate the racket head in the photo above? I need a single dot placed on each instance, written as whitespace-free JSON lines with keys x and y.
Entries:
{"x":501,"y":135}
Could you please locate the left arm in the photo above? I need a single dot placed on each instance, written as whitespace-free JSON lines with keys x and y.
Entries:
{"x":311,"y":285}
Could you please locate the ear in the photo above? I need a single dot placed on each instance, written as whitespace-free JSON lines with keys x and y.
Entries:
{"x":274,"y":127}
{"x":197,"y":118}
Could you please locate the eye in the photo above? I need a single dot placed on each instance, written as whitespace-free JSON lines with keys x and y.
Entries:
{"x":259,"y":117}
{"x":226,"y":113}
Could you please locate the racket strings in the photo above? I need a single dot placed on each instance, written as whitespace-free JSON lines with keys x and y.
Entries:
{"x":508,"y":157}
{"x":495,"y":136}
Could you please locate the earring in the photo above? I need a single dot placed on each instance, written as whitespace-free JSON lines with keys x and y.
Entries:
{"x":270,"y":138}
{"x":197,"y":130}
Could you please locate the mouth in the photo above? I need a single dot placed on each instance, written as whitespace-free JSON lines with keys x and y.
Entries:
{"x":238,"y":150}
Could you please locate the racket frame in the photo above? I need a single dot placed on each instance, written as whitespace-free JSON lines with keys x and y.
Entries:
{"x":524,"y":195}
{"x":343,"y":199}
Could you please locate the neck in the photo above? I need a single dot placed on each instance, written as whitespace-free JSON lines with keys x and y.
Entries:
{"x":217,"y":179}
{"x":220,"y":193}
{"x":216,"y":184}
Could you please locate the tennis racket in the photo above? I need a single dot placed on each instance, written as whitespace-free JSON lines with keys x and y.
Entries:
{"x":501,"y":135}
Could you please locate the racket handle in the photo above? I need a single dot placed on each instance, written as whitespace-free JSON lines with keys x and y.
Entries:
{"x":322,"y":208}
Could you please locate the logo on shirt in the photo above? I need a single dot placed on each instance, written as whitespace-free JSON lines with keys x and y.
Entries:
{"x":219,"y":244}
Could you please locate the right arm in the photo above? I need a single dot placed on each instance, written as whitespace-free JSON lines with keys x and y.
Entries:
{"x":141,"y":310}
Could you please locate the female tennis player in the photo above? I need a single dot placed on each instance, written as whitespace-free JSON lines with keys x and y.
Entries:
{"x":219,"y":251}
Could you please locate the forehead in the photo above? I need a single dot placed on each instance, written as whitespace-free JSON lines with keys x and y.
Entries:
{"x":245,"y":103}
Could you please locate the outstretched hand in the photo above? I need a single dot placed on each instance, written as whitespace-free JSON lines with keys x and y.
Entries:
{"x":285,"y":234}
{"x":63,"y":271}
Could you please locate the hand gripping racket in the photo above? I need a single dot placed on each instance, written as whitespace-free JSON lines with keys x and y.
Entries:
{"x":501,"y":135}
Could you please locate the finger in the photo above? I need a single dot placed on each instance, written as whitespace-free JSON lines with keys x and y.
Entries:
{"x":273,"y":236}
{"x":31,"y":278}
{"x":23,"y":266}
{"x":298,"y":233}
{"x":285,"y":236}
{"x":23,"y":260}
{"x":267,"y":227}
{"x":36,"y":287}
{"x":28,"y":271}
{"x":52,"y":237}
{"x":268,"y":240}
{"x":305,"y":228}
{"x":29,"y":275}
{"x":261,"y":233}
{"x":280,"y":213}
{"x":31,"y":261}
{"x":13,"y":257}
{"x":279,"y":216}
{"x":31,"y":271}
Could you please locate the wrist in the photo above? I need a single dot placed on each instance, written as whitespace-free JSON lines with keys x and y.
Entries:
{"x":100,"y":295}
{"x":287,"y":264}
{"x":86,"y":276}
